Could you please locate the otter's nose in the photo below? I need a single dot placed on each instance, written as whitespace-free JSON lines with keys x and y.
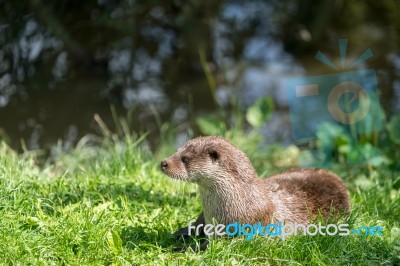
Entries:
{"x":163,"y":165}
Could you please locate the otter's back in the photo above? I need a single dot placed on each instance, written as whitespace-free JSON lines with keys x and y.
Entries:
{"x":304,"y":193}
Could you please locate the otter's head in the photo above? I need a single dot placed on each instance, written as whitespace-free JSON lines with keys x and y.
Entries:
{"x":208,"y":160}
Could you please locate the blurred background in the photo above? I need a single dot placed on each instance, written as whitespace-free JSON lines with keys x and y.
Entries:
{"x":153,"y":62}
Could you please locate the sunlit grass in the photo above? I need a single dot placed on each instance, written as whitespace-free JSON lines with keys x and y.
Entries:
{"x":110,"y":204}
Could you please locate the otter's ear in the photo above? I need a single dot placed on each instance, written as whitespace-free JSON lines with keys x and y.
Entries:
{"x":213,"y":154}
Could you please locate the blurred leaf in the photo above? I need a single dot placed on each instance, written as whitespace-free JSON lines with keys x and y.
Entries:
{"x":315,"y":158}
{"x":102,"y":207}
{"x":344,"y":149}
{"x":379,"y":160}
{"x":259,"y":112}
{"x":209,"y":125}
{"x":33,"y":221}
{"x":114,"y":242}
{"x":342,"y":140}
{"x":365,"y":152}
{"x":328,"y":135}
{"x":72,"y":207}
{"x":364,"y":183}
{"x":330,"y":130}
{"x":393,"y":128}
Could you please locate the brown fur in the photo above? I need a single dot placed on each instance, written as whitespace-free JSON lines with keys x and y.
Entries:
{"x":231,"y":191}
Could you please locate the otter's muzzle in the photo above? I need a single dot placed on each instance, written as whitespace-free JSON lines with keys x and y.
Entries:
{"x":163,"y":166}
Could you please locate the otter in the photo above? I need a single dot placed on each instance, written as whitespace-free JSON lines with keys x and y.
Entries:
{"x":231,"y":191}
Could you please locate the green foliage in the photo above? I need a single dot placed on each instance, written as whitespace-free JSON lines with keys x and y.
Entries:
{"x":114,"y":242}
{"x":109,"y":204}
{"x":393,"y":128}
{"x":334,"y":144}
{"x":210,"y":125}
{"x":106,"y":202}
{"x":256,"y":115}
{"x":259,"y":112}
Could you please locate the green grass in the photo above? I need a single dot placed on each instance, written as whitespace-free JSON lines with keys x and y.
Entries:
{"x":111,"y":205}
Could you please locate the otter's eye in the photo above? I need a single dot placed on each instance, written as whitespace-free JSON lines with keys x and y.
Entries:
{"x":185,"y":159}
{"x":214,"y":155}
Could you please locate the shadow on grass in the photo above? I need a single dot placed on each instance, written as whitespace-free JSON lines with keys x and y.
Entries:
{"x":112,"y":192}
{"x":133,"y":237}
{"x":137,"y":194}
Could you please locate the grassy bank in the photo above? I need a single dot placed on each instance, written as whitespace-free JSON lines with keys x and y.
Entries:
{"x":109,"y":204}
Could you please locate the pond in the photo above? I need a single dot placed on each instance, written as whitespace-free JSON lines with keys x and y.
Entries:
{"x":61,"y":63}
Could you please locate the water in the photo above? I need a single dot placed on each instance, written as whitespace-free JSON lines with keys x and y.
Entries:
{"x":50,"y":90}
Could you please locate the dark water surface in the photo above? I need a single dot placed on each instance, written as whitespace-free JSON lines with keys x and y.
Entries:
{"x":156,"y":65}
